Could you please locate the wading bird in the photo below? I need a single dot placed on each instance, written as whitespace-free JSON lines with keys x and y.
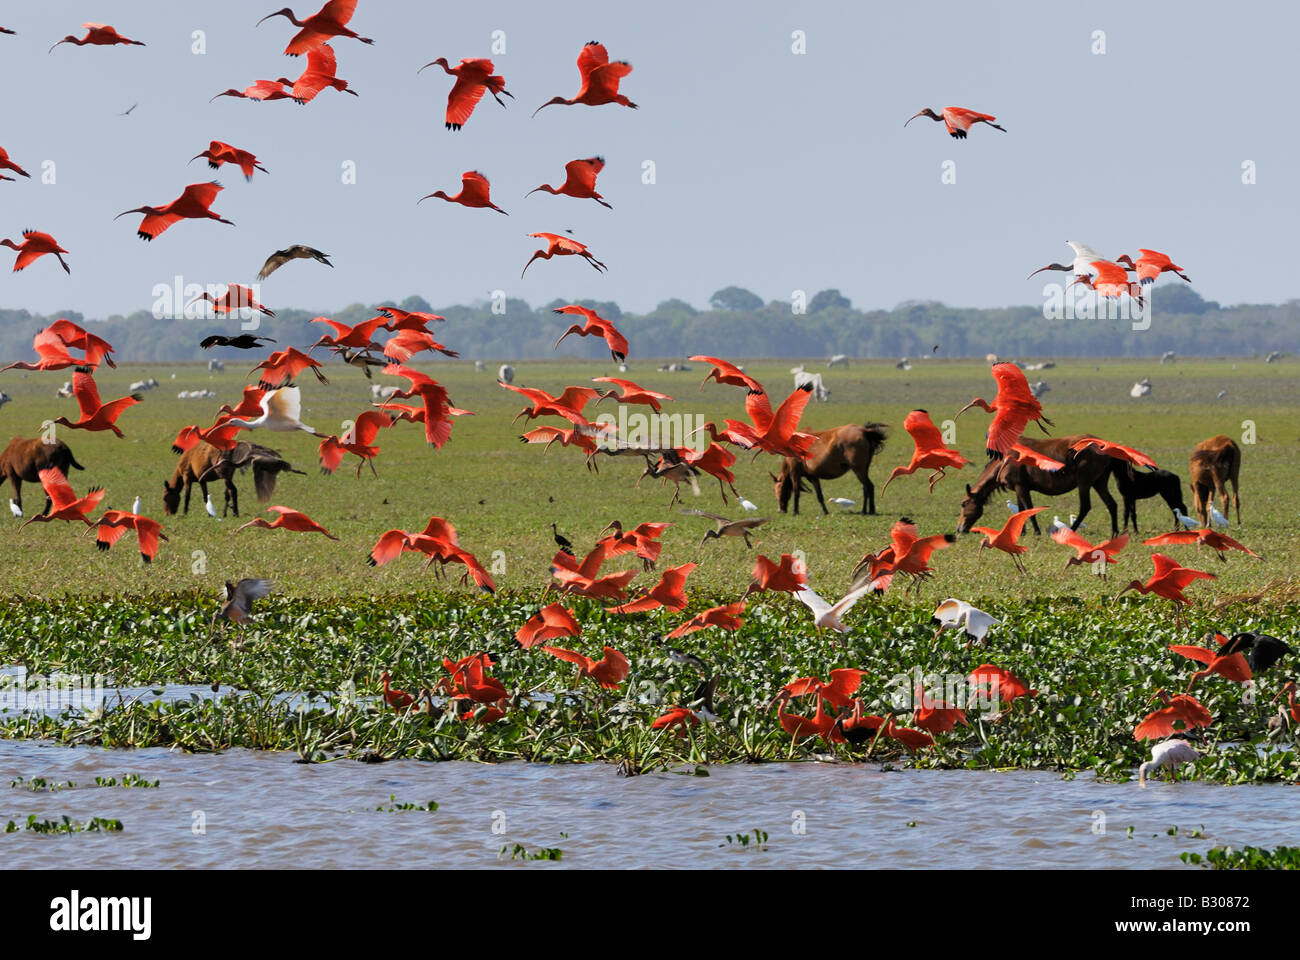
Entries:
{"x":643,"y":540}
{"x":1218,"y":542}
{"x":260,"y":90}
{"x":1151,"y":264}
{"x":1168,"y":581}
{"x":329,"y":21}
{"x":1178,"y":715}
{"x":283,"y":366}
{"x":321,"y":72}
{"x":473,"y":78}
{"x":7,"y":164}
{"x":724,"y":617}
{"x":728,"y":528}
{"x":1080,"y":266}
{"x":245,"y":341}
{"x":609,"y":671}
{"x":237,"y":599}
{"x":357,"y":335}
{"x":97,"y":34}
{"x":95,"y":414}
{"x":1012,"y":408}
{"x":584,"y":579}
{"x":600,"y":79}
{"x":236,"y":297}
{"x":64,"y":503}
{"x":1098,"y":555}
{"x":1116,"y":450}
{"x":551,"y":622}
{"x":474,"y":189}
{"x":629,"y":393}
{"x":958,"y":120}
{"x":953,"y":614}
{"x":558,"y":246}
{"x":1264,"y":650}
{"x":568,"y":404}
{"x":1169,"y":754}
{"x":727,"y":373}
{"x":193,"y":204}
{"x":1112,"y":281}
{"x":1006,"y":538}
{"x":1230,"y":666}
{"x":930,"y":453}
{"x":114,"y":523}
{"x":669,"y":592}
{"x":437,"y":408}
{"x":580,"y":181}
{"x":35,"y":244}
{"x":97,"y":349}
{"x":996,"y":685}
{"x":786,"y":576}
{"x":827,"y":615}
{"x":595,"y":325}
{"x":297,"y":252}
{"x":397,"y":699}
{"x":219,"y":153}
{"x":288,"y":520}
{"x":359,"y":441}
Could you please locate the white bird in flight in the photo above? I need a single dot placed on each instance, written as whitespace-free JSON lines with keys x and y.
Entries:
{"x":953,"y":613}
{"x":827,"y":615}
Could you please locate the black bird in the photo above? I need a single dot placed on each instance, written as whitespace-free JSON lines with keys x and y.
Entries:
{"x":245,"y":341}
{"x":562,"y":541}
{"x":703,"y":695}
{"x":297,"y":252}
{"x":1264,"y":651}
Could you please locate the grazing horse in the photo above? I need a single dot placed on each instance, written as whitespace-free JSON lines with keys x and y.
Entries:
{"x":1087,"y":469}
{"x":1214,"y":463}
{"x":204,"y":462}
{"x":834,"y":453}
{"x":25,"y":458}
{"x":1135,"y":485}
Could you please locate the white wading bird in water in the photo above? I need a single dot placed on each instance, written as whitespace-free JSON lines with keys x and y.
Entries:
{"x":1168,"y":753}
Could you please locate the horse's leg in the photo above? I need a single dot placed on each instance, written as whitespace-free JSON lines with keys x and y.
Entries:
{"x":797,"y":481}
{"x":1026,"y":502}
{"x":1085,"y":504}
{"x":1103,"y":491}
{"x":869,"y":491}
{"x":232,"y":495}
{"x":189,"y":486}
{"x":817,"y":488}
{"x":1236,"y":499}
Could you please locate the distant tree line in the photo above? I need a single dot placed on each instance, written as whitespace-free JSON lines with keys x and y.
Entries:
{"x":739,"y":324}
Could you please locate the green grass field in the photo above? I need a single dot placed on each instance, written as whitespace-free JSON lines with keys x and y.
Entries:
{"x":502,"y":494}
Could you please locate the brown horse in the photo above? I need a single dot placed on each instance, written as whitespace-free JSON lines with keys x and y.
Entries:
{"x":834,"y":454}
{"x":1087,"y":469}
{"x":24,"y":459}
{"x":1215,"y":463}
{"x":203,"y":463}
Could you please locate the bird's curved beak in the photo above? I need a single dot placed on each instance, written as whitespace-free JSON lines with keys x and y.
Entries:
{"x":429,"y":64}
{"x":919,"y":113}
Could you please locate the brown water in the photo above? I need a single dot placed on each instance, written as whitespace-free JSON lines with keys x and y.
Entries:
{"x":263,"y":810}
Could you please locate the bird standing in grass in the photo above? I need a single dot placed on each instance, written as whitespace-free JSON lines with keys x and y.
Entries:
{"x":561,"y":541}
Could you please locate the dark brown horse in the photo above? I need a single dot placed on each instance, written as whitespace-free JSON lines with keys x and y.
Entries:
{"x":835,"y":453}
{"x":1135,"y":485}
{"x":1087,"y":469}
{"x":25,"y":458}
{"x":1215,"y":463}
{"x":203,"y":463}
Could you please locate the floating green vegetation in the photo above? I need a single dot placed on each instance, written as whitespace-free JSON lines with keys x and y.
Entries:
{"x":520,"y":852}
{"x":757,"y":837}
{"x":1247,"y":858}
{"x":395,"y":807}
{"x":66,"y":825}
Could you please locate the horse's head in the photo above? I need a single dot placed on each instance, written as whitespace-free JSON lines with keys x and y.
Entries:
{"x":972,"y":508}
{"x":1171,"y":489}
{"x":782,"y":486}
{"x":171,"y":497}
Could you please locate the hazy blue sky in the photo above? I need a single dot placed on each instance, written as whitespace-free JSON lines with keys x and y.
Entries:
{"x":775,"y":171}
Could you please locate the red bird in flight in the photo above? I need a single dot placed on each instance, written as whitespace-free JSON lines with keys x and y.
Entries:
{"x":959,"y":120}
{"x":600,"y":79}
{"x":580,"y":181}
{"x":98,"y":34}
{"x":474,"y":189}
{"x":219,"y":153}
{"x":473,"y":77}
{"x":329,"y":21}
{"x":193,"y":204}
{"x":35,"y":244}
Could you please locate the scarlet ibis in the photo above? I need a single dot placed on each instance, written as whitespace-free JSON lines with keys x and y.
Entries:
{"x":97,"y":348}
{"x":786,"y":576}
{"x":474,"y":188}
{"x":572,"y":436}
{"x":724,"y":617}
{"x":669,"y":592}
{"x":97,"y":34}
{"x":297,"y":252}
{"x":1006,"y":538}
{"x":1168,"y":581}
{"x":114,"y":523}
{"x":724,"y":372}
{"x":245,"y":341}
{"x":558,"y":246}
{"x":329,"y":21}
{"x":1002,"y":685}
{"x":595,"y":325}
{"x":64,"y":503}
{"x":1264,"y":650}
{"x":908,"y":553}
{"x":407,"y":319}
{"x":1012,"y":408}
{"x":958,"y":120}
{"x":95,"y":414}
{"x":776,"y":433}
{"x":35,"y":244}
{"x":930,"y":452}
{"x":52,"y":345}
{"x":193,"y":204}
{"x":820,"y":724}
{"x":1170,"y":754}
{"x":345,"y":335}
{"x":1112,"y":281}
{"x":7,"y":164}
{"x":283,"y":366}
{"x":580,"y":181}
{"x":855,"y":728}
{"x":397,"y":699}
{"x":261,"y":90}
{"x":643,"y":540}
{"x":1179,"y":714}
{"x":360,"y":441}
{"x":609,"y":671}
{"x":728,"y":528}
{"x":676,"y":716}
{"x":1032,"y":457}
{"x":568,"y":404}
{"x":1087,"y":553}
{"x":288,"y":519}
{"x":716,"y":462}
{"x":600,"y":79}
{"x":584,"y":579}
{"x":473,"y":78}
{"x":953,"y":613}
{"x":1116,"y":450}
{"x":838,"y":691}
{"x":236,"y":297}
{"x":551,"y":622}
{"x":406,"y":343}
{"x":219,"y":153}
{"x":935,"y":716}
{"x":630,"y":393}
{"x":437,"y":407}
{"x":321,"y":72}
{"x":1151,"y":264}
{"x":1289,"y":691}
{"x":1218,"y":542}
{"x":237,"y":599}
{"x":1230,"y":666}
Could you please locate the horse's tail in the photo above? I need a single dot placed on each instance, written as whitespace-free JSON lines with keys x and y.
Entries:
{"x":876,"y":434}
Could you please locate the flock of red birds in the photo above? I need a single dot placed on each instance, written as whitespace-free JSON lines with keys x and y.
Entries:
{"x":773,"y":431}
